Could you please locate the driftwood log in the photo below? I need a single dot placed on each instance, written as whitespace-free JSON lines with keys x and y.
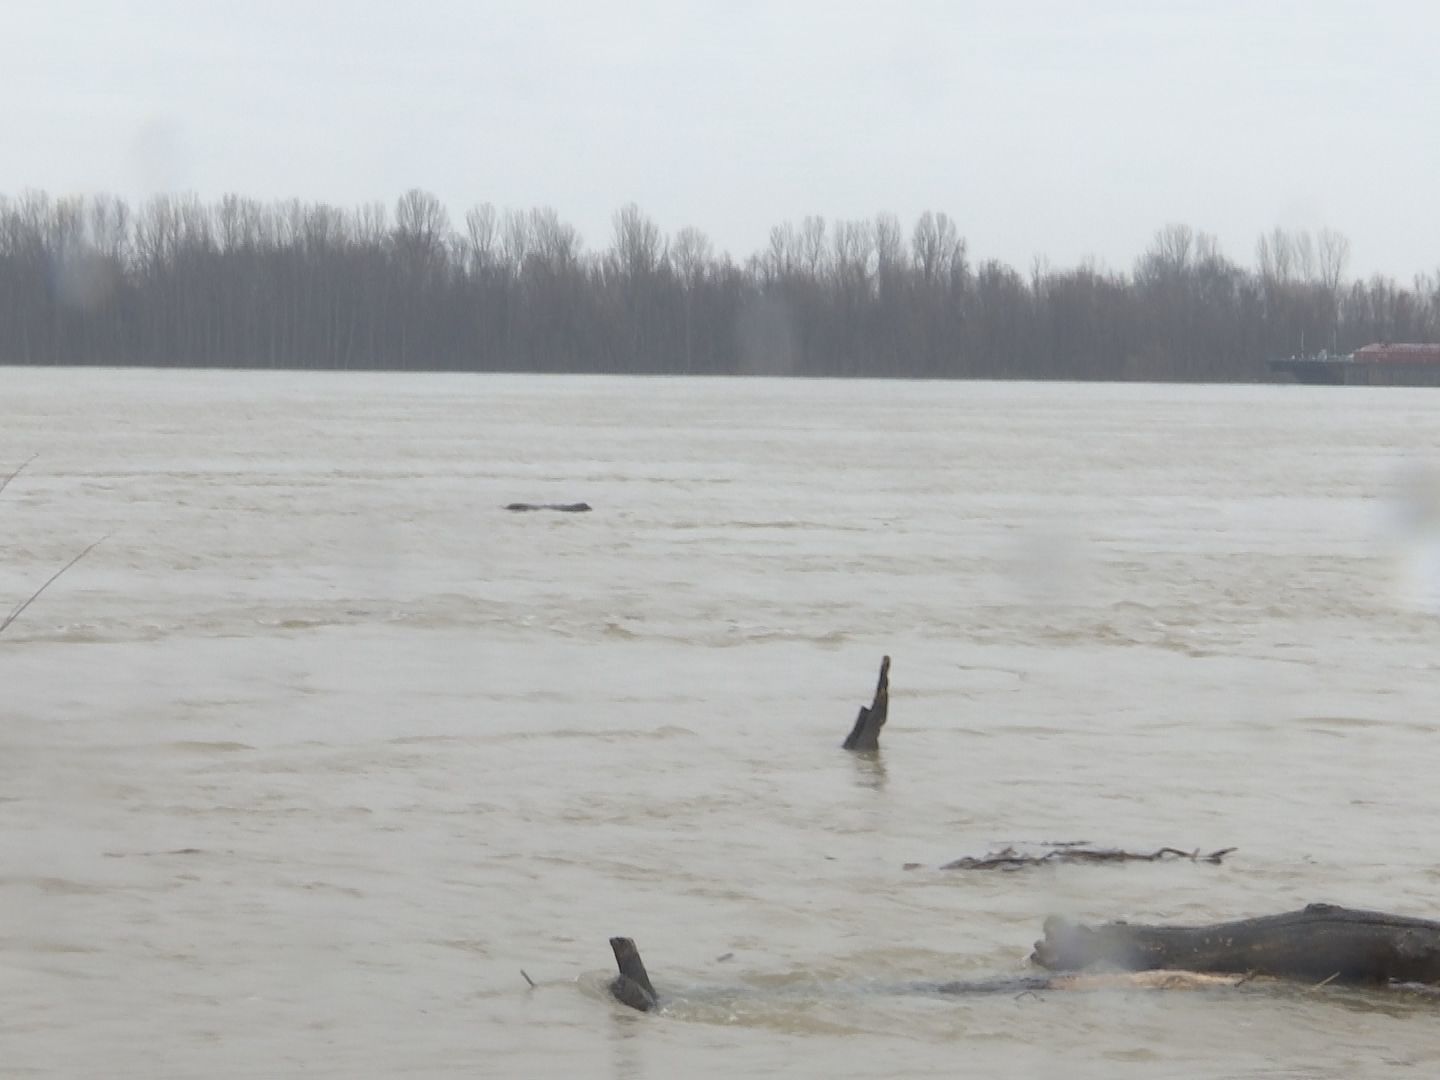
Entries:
{"x":865,"y":735}
{"x":1323,"y":943}
{"x":632,"y":987}
{"x":564,"y":508}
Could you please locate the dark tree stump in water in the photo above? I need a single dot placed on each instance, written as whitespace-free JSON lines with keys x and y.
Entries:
{"x":865,"y":735}
{"x":1323,"y":943}
{"x":632,"y":986}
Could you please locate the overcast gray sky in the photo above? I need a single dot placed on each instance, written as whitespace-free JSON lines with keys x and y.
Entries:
{"x":1068,"y":130}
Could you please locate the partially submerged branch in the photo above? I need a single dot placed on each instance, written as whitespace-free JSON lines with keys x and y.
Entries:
{"x":865,"y":735}
{"x":1009,"y":858}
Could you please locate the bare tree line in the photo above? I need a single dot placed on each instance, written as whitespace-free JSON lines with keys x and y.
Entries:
{"x":241,"y":283}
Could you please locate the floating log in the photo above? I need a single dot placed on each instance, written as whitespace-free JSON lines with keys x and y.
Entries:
{"x":1010,"y":858}
{"x":564,"y":508}
{"x":632,"y":986}
{"x":865,"y":735}
{"x":1322,"y":943}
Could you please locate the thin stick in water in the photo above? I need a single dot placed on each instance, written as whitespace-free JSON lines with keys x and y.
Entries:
{"x":18,"y":470}
{"x":19,"y":609}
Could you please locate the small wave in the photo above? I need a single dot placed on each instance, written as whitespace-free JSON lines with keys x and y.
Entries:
{"x":1341,"y":721}
{"x":1133,"y":606}
{"x":55,"y":947}
{"x":299,"y":624}
{"x":204,"y":747}
{"x":329,"y":887}
{"x":732,"y":636}
{"x":786,"y":523}
{"x":667,"y":731}
{"x":82,"y":634}
{"x":543,"y":697}
{"x":54,"y":886}
{"x":1038,"y":729}
{"x":466,"y":945}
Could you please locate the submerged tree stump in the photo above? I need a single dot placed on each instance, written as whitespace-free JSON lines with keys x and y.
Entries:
{"x":632,"y":986}
{"x":865,"y":735}
{"x":1323,"y":943}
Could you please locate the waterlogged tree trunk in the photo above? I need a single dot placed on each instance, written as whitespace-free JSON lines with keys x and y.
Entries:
{"x":1322,"y":943}
{"x":632,"y":988}
{"x":865,"y":735}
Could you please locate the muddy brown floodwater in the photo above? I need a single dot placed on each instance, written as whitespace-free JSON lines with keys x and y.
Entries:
{"x":321,"y":747}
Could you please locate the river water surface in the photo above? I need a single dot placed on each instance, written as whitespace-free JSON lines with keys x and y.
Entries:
{"x":321,"y":747}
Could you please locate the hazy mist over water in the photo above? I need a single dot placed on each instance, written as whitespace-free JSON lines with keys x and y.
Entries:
{"x":321,"y":747}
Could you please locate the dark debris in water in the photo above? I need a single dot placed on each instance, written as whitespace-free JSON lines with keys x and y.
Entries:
{"x":1010,"y":858}
{"x":563,"y":508}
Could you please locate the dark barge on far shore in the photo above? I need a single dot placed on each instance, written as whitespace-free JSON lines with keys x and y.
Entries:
{"x":1374,"y":365}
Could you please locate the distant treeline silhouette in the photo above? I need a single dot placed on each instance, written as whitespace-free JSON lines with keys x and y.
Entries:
{"x":241,"y":283}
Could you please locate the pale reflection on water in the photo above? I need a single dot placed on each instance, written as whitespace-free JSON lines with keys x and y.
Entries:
{"x":305,"y":763}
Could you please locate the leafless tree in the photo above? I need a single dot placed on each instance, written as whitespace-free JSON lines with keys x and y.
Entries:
{"x":241,"y":282}
{"x":482,"y":230}
{"x":693,"y":254}
{"x":814,"y":247}
{"x":638,"y":244}
{"x":1334,"y":257}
